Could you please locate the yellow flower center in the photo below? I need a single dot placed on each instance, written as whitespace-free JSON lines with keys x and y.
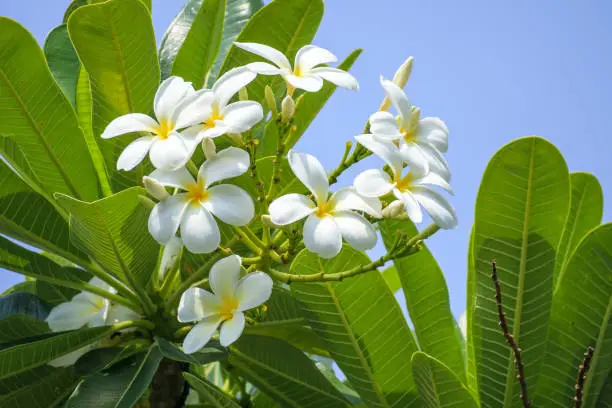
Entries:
{"x":405,"y":183}
{"x":164,"y":129}
{"x":214,"y":116}
{"x":197,"y":193}
{"x":323,"y":209}
{"x":228,"y":307}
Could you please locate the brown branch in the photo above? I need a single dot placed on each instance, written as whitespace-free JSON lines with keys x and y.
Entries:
{"x":520,"y":368}
{"x":582,"y":372}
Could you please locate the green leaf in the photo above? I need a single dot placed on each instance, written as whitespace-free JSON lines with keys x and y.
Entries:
{"x":63,"y":61}
{"x":581,"y":316}
{"x":113,"y":231}
{"x":23,"y":357}
{"x":18,"y":327}
{"x":284,"y":372}
{"x":200,"y":46}
{"x":362,"y":326}
{"x":313,"y":102}
{"x":605,"y":397}
{"x":46,"y":387}
{"x":23,"y":304}
{"x":96,"y":360}
{"x":586,"y":211}
{"x":208,"y":354}
{"x":49,"y":293}
{"x":39,"y":118}
{"x":213,"y":395}
{"x":521,"y":209}
{"x":121,"y":386}
{"x":472,"y":375}
{"x":116,"y":44}
{"x":438,"y":385}
{"x":427,"y":299}
{"x":286,"y":25}
{"x":392,"y":278}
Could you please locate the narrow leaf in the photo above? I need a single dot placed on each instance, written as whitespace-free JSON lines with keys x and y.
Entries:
{"x":47,"y":391}
{"x":208,"y":354}
{"x":213,"y":395}
{"x":18,"y":327}
{"x":63,"y":61}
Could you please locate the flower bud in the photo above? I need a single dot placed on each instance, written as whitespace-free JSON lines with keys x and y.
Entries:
{"x":395,"y":211}
{"x":236,"y":137}
{"x":270,"y":100}
{"x":243,"y":94}
{"x":267,"y":221}
{"x":288,"y":108}
{"x":400,"y":78}
{"x":170,"y":256}
{"x":154,"y":188}
{"x":210,"y":150}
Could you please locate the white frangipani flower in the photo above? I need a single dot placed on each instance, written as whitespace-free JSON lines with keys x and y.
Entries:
{"x":167,"y":147}
{"x":193,"y":209}
{"x":225,"y":306}
{"x":215,"y":115}
{"x":305,"y":73}
{"x":412,"y":189}
{"x":421,"y":141}
{"x":331,"y":218}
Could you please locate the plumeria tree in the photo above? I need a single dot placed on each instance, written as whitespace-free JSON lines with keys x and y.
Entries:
{"x":180,"y":251}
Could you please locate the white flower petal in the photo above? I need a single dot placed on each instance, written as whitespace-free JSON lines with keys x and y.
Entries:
{"x":290,"y":208}
{"x":311,"y":173}
{"x":170,"y":255}
{"x":224,"y":276}
{"x":171,"y":153}
{"x":242,"y":116}
{"x":230,"y":204}
{"x":71,"y":315}
{"x":197,"y":304}
{"x":356,"y":230}
{"x":263,"y":68}
{"x":134,"y":153}
{"x":199,"y":230}
{"x":310,"y":56}
{"x":411,"y":206}
{"x":253,"y":290}
{"x":169,"y":95}
{"x":309,"y":83}
{"x":228,"y":163}
{"x":373,"y":183}
{"x":398,"y":98}
{"x":230,"y":83}
{"x":194,"y":108}
{"x":438,"y":208}
{"x":166,"y":216}
{"x":219,"y":129}
{"x":435,"y":180}
{"x":132,"y":122}
{"x":100,"y":318}
{"x":383,"y":124}
{"x":415,"y":157}
{"x":200,"y":334}
{"x":180,"y":178}
{"x":385,"y":149}
{"x":437,"y":162}
{"x":266,"y":52}
{"x":347,"y":198}
{"x":231,"y":329}
{"x":322,"y":236}
{"x":435,"y":131}
{"x":120,"y":313}
{"x":337,"y":77}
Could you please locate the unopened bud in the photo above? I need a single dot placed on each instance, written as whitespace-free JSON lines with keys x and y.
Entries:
{"x":270,"y":100}
{"x":267,"y":221}
{"x":170,"y":256}
{"x":400,"y":79}
{"x":236,"y":137}
{"x":395,"y":211}
{"x":209,"y":148}
{"x":415,"y":117}
{"x":154,"y":188}
{"x":288,"y":108}
{"x":243,"y":94}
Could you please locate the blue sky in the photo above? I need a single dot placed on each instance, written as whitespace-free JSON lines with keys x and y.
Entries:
{"x":494,"y":71}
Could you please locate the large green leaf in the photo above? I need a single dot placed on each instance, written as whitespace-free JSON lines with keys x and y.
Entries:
{"x":286,"y":25}
{"x":113,"y":231}
{"x":438,"y":384}
{"x":215,"y":397}
{"x":116,"y":44}
{"x":37,"y":115}
{"x":63,"y":61}
{"x":427,"y":300}
{"x":521,"y":209}
{"x":121,"y":386}
{"x":605,"y":397}
{"x":200,"y":46}
{"x":472,"y":375}
{"x":284,"y":372}
{"x":586,"y":211}
{"x":581,"y":316}
{"x":18,"y":327}
{"x":208,"y":354}
{"x":44,"y":387}
{"x":23,"y":304}
{"x":49,"y":293}
{"x":362,"y":326}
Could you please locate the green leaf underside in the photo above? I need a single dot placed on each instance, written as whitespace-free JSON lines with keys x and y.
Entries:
{"x":605,"y":397}
{"x":37,"y":115}
{"x":438,"y":385}
{"x":283,"y":372}
{"x":40,"y":388}
{"x":472,"y":375}
{"x":213,"y":395}
{"x":49,"y":293}
{"x":63,"y":61}
{"x":362,"y":326}
{"x":427,"y":300}
{"x":581,"y":316}
{"x":18,"y":327}
{"x":21,"y":303}
{"x":521,"y":209}
{"x":208,"y":354}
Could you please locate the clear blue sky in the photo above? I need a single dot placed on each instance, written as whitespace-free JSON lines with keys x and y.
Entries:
{"x":494,"y":71}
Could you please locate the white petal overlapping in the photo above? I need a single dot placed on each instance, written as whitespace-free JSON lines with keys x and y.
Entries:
{"x":311,"y":173}
{"x":290,"y":208}
{"x":322,"y":236}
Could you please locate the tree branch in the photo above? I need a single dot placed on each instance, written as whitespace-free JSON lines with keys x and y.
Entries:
{"x":582,"y":372}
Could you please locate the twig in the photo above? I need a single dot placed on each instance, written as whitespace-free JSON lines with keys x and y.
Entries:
{"x":520,"y":368}
{"x":582,"y":372}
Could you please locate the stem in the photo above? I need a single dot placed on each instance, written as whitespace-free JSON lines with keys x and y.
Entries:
{"x":582,"y":372}
{"x":283,"y":131}
{"x":250,"y":239}
{"x":168,"y":387}
{"x":261,"y":193}
{"x":520,"y":368}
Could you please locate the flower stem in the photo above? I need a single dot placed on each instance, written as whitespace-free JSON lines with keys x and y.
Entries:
{"x":283,"y":131}
{"x":250,"y":239}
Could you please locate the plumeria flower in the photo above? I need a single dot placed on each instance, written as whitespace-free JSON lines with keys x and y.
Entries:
{"x":194,"y":208}
{"x":168,"y":148}
{"x":411,"y":189}
{"x":215,"y":115}
{"x":421,"y":141}
{"x":225,"y":306}
{"x":305,"y":73}
{"x":331,"y":218}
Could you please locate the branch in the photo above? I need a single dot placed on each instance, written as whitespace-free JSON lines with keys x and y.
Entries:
{"x":582,"y":372}
{"x":520,"y":368}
